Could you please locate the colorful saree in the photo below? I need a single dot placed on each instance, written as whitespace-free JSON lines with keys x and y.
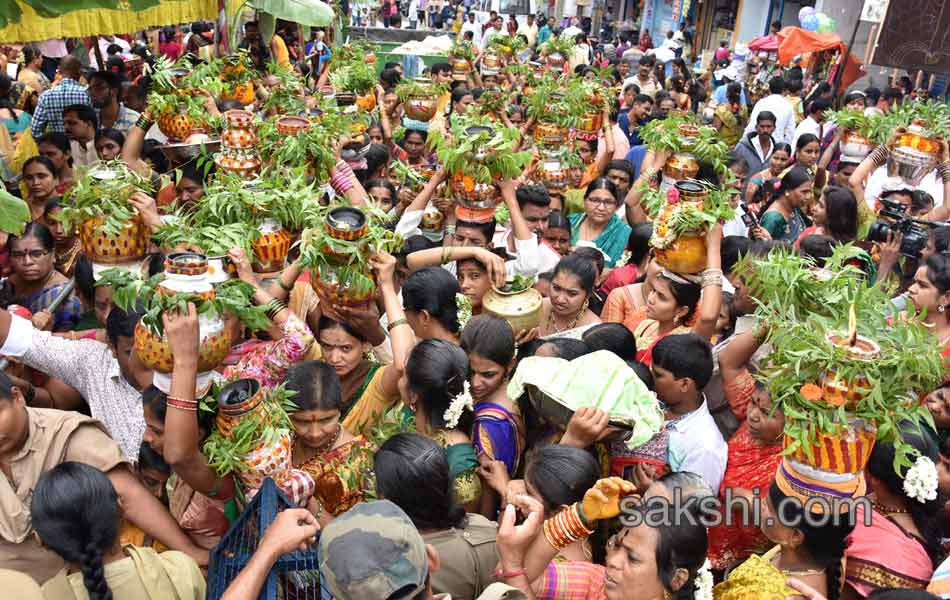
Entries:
{"x":68,"y":313}
{"x":884,"y":555}
{"x":750,"y":466}
{"x":647,"y":334}
{"x":499,"y":434}
{"x":340,"y":475}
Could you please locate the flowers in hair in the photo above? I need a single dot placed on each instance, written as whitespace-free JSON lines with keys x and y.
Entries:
{"x":459,"y":403}
{"x":464,"y":304}
{"x":703,"y":582}
{"x":920,"y":482}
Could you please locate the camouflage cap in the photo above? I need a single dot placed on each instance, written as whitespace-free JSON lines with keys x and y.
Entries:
{"x":373,"y":552}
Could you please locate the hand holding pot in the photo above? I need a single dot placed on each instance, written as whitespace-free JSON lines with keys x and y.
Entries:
{"x":242,"y":265}
{"x":147,"y":208}
{"x":384,"y":264}
{"x":181,"y":331}
{"x":494,"y":264}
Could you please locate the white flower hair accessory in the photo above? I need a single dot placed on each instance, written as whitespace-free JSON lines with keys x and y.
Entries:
{"x":460,"y":403}
{"x":703,"y":582}
{"x":464,"y":304}
{"x":920,"y":482}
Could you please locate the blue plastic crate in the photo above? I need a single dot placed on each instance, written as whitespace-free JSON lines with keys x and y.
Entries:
{"x":294,"y":576}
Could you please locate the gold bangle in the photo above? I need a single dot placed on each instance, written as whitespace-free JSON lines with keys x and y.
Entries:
{"x":396,"y":323}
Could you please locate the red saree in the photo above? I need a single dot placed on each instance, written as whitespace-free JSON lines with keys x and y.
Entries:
{"x":750,"y":466}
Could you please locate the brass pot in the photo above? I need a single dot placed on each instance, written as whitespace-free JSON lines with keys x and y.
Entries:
{"x":421,"y":108}
{"x":130,"y":245}
{"x":681,"y":166}
{"x":492,"y":60}
{"x":589,"y":126}
{"x":472,"y":194}
{"x":521,"y":309}
{"x":687,"y":254}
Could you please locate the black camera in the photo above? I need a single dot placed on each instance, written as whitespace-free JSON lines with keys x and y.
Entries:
{"x":893,"y":220}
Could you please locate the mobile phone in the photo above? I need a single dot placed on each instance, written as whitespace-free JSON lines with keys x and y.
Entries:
{"x":747,"y":217}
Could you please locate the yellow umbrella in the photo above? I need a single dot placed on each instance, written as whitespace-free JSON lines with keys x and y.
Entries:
{"x":83,"y":22}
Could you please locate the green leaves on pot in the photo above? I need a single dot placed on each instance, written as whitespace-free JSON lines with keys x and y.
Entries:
{"x":132,"y":291}
{"x":664,"y":136}
{"x":356,"y":77}
{"x":847,"y":119}
{"x":802,"y":305}
{"x":557,"y":101}
{"x":462,"y":48}
{"x":262,"y":428}
{"x":480,"y":148}
{"x":426,"y":88}
{"x":935,"y":116}
{"x":103,"y":190}
{"x":287,"y":97}
{"x":507,"y":44}
{"x":561,"y":44}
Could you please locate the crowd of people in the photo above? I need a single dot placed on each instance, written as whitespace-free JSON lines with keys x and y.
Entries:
{"x":418,"y":471}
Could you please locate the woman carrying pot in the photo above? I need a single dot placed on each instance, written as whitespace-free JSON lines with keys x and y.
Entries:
{"x":369,"y":389}
{"x":564,"y":313}
{"x":599,"y":224}
{"x":783,"y":217}
{"x":683,"y":303}
{"x":335,"y":458}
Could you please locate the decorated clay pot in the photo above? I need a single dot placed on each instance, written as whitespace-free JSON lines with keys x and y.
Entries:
{"x":688,"y":130}
{"x":552,"y":174}
{"x":555,"y":60}
{"x":214,"y":344}
{"x":589,"y":126}
{"x":270,"y":458}
{"x":346,"y":223}
{"x":328,"y":288}
{"x":130,"y":245}
{"x":521,"y":309}
{"x":367,"y":101}
{"x":243,"y":93}
{"x":549,"y":134}
{"x":271,"y":247}
{"x":239,"y":133}
{"x":473,"y":194}
{"x":916,"y":138}
{"x":246,"y":164}
{"x":836,"y":391}
{"x":186,"y":273}
{"x":691,"y":190}
{"x":292,"y":125}
{"x":687,"y":254}
{"x":421,"y":108}
{"x":474,"y":215}
{"x":239,"y":399}
{"x":176,"y":125}
{"x":846,"y":451}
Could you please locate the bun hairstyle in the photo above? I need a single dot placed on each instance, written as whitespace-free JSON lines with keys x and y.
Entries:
{"x":413,"y":473}
{"x":75,"y":511}
{"x":436,"y":372}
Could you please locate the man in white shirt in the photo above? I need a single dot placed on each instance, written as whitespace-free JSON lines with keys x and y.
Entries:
{"x":644,"y":78}
{"x":529,"y":30}
{"x":474,"y":27}
{"x":814,"y":123}
{"x":776,"y":104}
{"x":81,"y":124}
{"x":573,"y":29}
{"x":534,"y":203}
{"x":682,"y":366}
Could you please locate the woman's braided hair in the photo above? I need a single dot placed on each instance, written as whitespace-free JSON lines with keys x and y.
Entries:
{"x":75,"y":511}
